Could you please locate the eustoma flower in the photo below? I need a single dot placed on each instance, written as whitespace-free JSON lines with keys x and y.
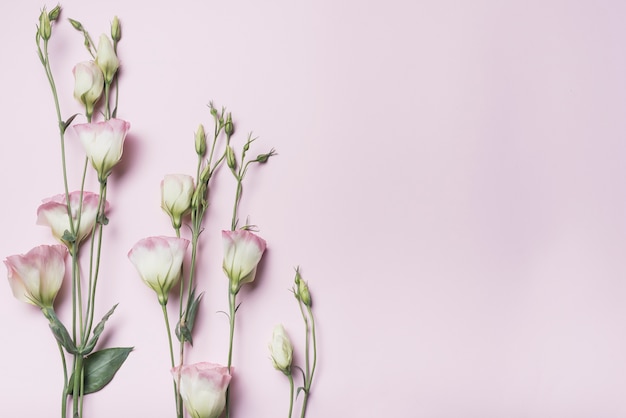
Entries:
{"x":103,"y":143}
{"x":242,"y":252}
{"x":158,"y":261}
{"x":106,"y":58}
{"x":203,"y":388}
{"x":36,"y":277}
{"x":53,"y":213}
{"x":176,"y":193}
{"x":88,"y":84}
{"x":281,"y":350}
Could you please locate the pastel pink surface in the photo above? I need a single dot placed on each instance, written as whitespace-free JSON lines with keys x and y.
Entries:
{"x":450,"y":178}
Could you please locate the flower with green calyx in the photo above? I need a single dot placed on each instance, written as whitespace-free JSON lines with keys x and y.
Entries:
{"x":106,"y":58}
{"x":176,"y":193}
{"x":203,"y":388}
{"x":103,"y":143}
{"x":158,"y":261}
{"x":242,"y":253}
{"x":36,"y":277}
{"x":88,"y":85}
{"x":281,"y":350}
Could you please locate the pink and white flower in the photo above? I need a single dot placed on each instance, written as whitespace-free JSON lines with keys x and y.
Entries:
{"x":176,"y":193}
{"x":53,"y":213}
{"x":158,"y":261}
{"x":36,"y":277}
{"x":203,"y":388}
{"x":103,"y":143}
{"x":242,"y":252}
{"x":88,"y":84}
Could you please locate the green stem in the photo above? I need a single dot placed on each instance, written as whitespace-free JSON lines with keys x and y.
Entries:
{"x":310,"y":311}
{"x":65,"y":392}
{"x":77,"y":390}
{"x":179,"y":412}
{"x":232,"y":300}
{"x":233,"y":223}
{"x":93,"y":278}
{"x":290,"y":377}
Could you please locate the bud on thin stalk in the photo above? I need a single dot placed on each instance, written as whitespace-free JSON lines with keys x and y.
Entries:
{"x":45,"y":28}
{"x":116,"y":30}
{"x":200,"y":141}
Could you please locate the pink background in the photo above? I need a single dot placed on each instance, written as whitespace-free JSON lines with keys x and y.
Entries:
{"x":451,"y":178}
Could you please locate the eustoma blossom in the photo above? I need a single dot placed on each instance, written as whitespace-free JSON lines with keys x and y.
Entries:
{"x":53,"y":213}
{"x":103,"y":143}
{"x":158,"y":261}
{"x":242,"y":253}
{"x":203,"y":388}
{"x":88,"y":84}
{"x":176,"y":193}
{"x":36,"y":277}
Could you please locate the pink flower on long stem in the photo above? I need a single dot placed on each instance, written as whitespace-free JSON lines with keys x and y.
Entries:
{"x":103,"y":143}
{"x":53,"y":213}
{"x":203,"y":388}
{"x":242,"y":253}
{"x":158,"y":261}
{"x":36,"y":277}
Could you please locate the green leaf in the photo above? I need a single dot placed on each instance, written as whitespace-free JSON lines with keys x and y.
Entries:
{"x":68,"y":122}
{"x":62,"y":336}
{"x":98,"y":331}
{"x":100,"y":368}
{"x":185,"y":330}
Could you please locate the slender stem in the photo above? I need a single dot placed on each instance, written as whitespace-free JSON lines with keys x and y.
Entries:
{"x":93,"y":278}
{"x":78,"y":385}
{"x":233,"y":223}
{"x":310,"y":311}
{"x":179,"y":412}
{"x":290,"y":377}
{"x":232,"y":300}
{"x":64,"y":394}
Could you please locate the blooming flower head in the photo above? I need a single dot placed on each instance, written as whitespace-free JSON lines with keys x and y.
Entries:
{"x":36,"y":277}
{"x":281,"y":350}
{"x":242,"y":252}
{"x":88,"y":84}
{"x":203,"y":388}
{"x":176,"y":193}
{"x":103,"y":143}
{"x":158,"y":261}
{"x":106,"y":58}
{"x":53,"y":213}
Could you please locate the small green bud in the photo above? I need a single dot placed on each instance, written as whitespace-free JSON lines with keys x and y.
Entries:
{"x":302,"y":290}
{"x":262,"y":158}
{"x":76,"y":24}
{"x":246,"y":146}
{"x":116,"y":30}
{"x":54,"y":13}
{"x":230,"y":158}
{"x":200,"y":141}
{"x":45,"y":28}
{"x":205,"y":174}
{"x":229,"y":128}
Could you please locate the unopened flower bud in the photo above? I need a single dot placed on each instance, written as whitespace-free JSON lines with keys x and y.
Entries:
{"x":116,"y":30}
{"x":205,"y":174}
{"x":302,"y":290}
{"x":229,"y":128}
{"x":76,"y":24}
{"x":200,"y":141}
{"x":281,"y":350}
{"x":107,"y":59}
{"x":54,"y":13}
{"x":230,"y":158}
{"x":88,"y":84}
{"x":45,"y":28}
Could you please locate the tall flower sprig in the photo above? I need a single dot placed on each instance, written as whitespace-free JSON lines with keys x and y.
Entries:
{"x":75,"y":217}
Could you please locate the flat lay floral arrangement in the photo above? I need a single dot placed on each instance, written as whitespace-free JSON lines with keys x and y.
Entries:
{"x":78,"y":219}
